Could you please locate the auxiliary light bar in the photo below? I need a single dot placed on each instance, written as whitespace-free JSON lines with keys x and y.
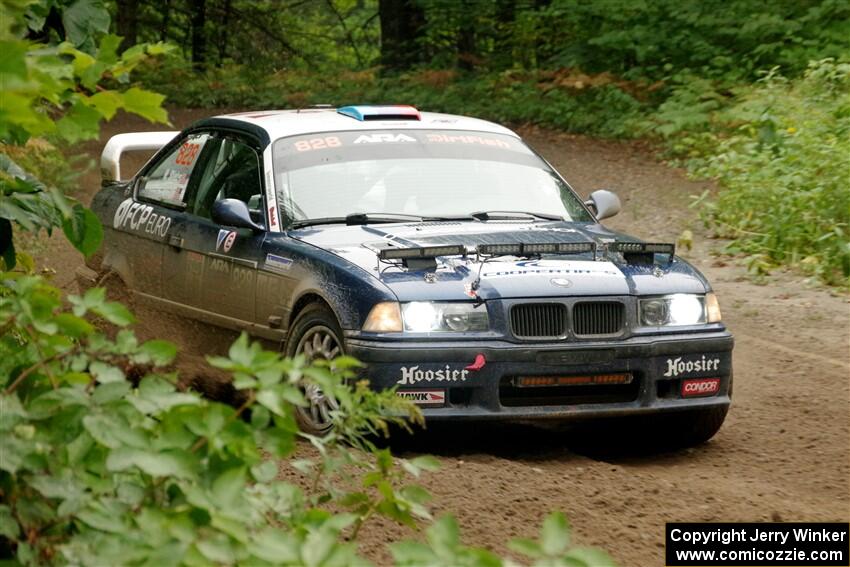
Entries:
{"x":527,"y":248}
{"x":421,"y":252}
{"x":643,"y":247}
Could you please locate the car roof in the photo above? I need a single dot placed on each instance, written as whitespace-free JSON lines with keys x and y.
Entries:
{"x":282,"y":123}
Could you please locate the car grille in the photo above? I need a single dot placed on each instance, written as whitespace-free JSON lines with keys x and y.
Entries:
{"x":549,"y":320}
{"x":598,"y":318}
{"x":539,"y":320}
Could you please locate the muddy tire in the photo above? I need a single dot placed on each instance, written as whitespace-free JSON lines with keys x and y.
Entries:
{"x":316,"y":334}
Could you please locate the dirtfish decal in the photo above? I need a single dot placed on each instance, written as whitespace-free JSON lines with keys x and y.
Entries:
{"x":138,"y":216}
{"x":413,"y":375}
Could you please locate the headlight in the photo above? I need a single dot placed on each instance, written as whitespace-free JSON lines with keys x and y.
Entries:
{"x":384,"y":318}
{"x":712,"y":308}
{"x":679,"y":309}
{"x":425,"y":317}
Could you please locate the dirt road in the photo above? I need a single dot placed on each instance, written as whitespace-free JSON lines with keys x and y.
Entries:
{"x":783,"y":454}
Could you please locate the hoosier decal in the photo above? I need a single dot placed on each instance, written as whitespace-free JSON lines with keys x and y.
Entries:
{"x":424,"y":397}
{"x":414,"y":375}
{"x":677,"y":366}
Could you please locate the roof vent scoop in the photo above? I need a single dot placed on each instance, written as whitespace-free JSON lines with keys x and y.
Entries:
{"x":367,"y":112}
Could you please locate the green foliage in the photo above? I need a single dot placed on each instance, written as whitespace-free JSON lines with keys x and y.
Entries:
{"x":104,"y":461}
{"x":57,"y":91}
{"x":512,"y":97}
{"x":781,"y":151}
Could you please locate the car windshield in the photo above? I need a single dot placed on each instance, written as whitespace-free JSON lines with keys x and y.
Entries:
{"x":427,"y":173}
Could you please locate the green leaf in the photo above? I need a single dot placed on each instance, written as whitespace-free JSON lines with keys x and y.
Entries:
{"x":106,"y":393}
{"x":265,"y":471}
{"x":8,"y":525}
{"x":159,"y":352}
{"x":83,"y":230}
{"x":114,"y":432}
{"x":555,"y":534}
{"x":217,"y":549}
{"x":80,"y":123}
{"x":106,"y":103}
{"x":590,"y":557}
{"x":416,"y":465}
{"x":526,"y":546}
{"x":146,"y":104}
{"x":271,"y":400}
{"x":165,"y":463}
{"x":83,"y":20}
{"x":276,"y":546}
{"x":228,"y":487}
{"x":106,"y":373}
{"x":13,"y":63}
{"x":443,"y":535}
{"x":115,"y":313}
{"x":413,"y":553}
{"x":72,"y":325}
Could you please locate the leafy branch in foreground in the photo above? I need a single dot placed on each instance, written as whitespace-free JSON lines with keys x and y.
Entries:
{"x":103,"y":460}
{"x":63,"y":93}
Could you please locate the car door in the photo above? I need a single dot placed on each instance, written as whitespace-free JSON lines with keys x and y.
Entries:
{"x":221,"y":262}
{"x":152,"y":218}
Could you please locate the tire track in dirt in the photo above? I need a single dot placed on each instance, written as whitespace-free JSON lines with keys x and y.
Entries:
{"x":783,"y":454}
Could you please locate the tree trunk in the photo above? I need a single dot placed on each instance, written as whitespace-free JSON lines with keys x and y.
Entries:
{"x":199,"y":36}
{"x":224,"y":25}
{"x":127,"y":22}
{"x":402,"y":24}
{"x":503,"y":53}
{"x":166,"y":17}
{"x":466,"y":58}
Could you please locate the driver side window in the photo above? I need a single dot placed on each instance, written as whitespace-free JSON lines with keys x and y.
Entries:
{"x":230,"y":169}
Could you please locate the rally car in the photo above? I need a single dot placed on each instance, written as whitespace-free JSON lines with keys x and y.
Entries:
{"x":439,"y":250}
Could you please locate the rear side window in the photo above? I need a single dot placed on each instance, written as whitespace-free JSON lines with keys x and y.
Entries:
{"x":166,"y":183}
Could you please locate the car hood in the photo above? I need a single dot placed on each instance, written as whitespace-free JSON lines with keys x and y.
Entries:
{"x":503,"y":277}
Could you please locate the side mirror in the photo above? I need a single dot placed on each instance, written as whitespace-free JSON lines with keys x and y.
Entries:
{"x":604,"y":203}
{"x":233,"y":212}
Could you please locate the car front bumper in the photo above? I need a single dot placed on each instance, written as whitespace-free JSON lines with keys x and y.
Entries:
{"x":444,"y":378}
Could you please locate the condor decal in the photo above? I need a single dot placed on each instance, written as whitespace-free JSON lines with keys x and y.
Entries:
{"x":424,"y":397}
{"x":700,"y":387}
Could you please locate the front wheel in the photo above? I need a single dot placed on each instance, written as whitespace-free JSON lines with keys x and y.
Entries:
{"x":694,"y":427}
{"x":317,"y":335}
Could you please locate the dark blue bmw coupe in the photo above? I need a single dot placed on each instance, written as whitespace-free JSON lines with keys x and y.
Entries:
{"x":440,"y":250}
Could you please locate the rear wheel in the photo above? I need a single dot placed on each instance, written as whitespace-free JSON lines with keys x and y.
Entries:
{"x":317,"y":335}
